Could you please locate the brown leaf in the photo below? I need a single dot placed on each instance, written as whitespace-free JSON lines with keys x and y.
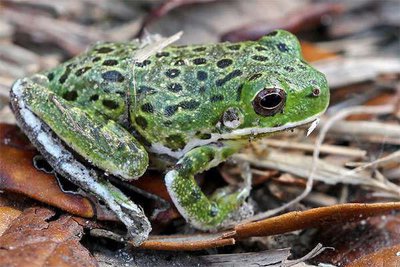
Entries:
{"x":385,"y":257}
{"x":313,"y":53}
{"x":34,"y":239}
{"x":7,"y":215}
{"x":354,"y":241}
{"x":17,"y":174}
{"x":297,"y":220}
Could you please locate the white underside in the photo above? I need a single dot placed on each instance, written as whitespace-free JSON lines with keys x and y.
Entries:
{"x":159,"y":148}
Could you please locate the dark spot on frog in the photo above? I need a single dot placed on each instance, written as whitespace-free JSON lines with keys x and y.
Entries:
{"x":273,"y":33}
{"x":199,"y":61}
{"x":162,"y":54}
{"x":239,"y":92}
{"x":189,"y":105}
{"x":175,"y":141}
{"x":223,"y":63}
{"x":259,"y":58}
{"x":260,"y":48}
{"x":199,"y":49}
{"x":96,"y":59}
{"x":213,"y":210}
{"x":170,"y":110}
{"x":230,"y":115}
{"x":112,"y":76}
{"x":70,"y":96}
{"x":216,"y":98}
{"x":172,"y":73}
{"x":50,"y":76}
{"x":167,"y":123}
{"x":143,"y":63}
{"x":141,"y":121}
{"x":289,"y":69}
{"x":234,"y":47}
{"x":174,"y":87}
{"x":143,"y":89}
{"x":148,"y":108}
{"x":179,"y":62}
{"x":202,"y":75}
{"x":81,"y":71}
{"x":104,"y":50}
{"x":110,"y":104}
{"x":228,"y":77}
{"x":203,"y":136}
{"x":202,"y":89}
{"x":196,"y":194}
{"x":65,"y":75}
{"x":110,"y":62}
{"x":140,"y":138}
{"x":302,"y":66}
{"x":282,"y":47}
{"x":94,"y":97}
{"x":255,"y":76}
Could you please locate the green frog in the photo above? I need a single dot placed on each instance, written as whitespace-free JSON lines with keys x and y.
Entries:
{"x":184,"y":110}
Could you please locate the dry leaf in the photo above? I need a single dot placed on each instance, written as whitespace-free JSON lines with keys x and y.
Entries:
{"x":35,"y":238}
{"x":354,"y":241}
{"x":17,"y":174}
{"x":388,"y":257}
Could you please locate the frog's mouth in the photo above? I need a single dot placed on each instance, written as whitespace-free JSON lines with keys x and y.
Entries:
{"x":238,"y":134}
{"x":246,"y":132}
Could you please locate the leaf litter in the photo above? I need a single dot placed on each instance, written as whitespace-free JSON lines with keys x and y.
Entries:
{"x":359,"y":161}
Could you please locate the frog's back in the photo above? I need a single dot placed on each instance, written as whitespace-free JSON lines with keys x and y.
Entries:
{"x":98,"y":80}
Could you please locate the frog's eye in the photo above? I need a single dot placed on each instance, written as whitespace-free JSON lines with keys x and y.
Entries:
{"x":269,"y":101}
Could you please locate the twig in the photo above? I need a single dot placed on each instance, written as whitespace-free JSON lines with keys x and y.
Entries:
{"x":352,"y":70}
{"x":375,"y":163}
{"x":329,"y":149}
{"x":359,"y":128}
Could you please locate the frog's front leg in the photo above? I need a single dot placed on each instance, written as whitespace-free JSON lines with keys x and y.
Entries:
{"x":202,"y":212}
{"x":96,"y":139}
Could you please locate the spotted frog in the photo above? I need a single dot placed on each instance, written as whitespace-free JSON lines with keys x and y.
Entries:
{"x":183,"y":110}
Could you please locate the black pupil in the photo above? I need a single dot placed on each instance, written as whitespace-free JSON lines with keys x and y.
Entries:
{"x":271,"y":101}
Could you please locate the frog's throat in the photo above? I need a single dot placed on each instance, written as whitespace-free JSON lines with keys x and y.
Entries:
{"x":244,"y":133}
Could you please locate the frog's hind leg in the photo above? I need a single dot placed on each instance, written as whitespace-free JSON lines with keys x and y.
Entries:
{"x":31,"y":99}
{"x":202,"y":212}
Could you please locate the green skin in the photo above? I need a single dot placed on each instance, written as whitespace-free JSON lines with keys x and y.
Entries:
{"x":187,"y":108}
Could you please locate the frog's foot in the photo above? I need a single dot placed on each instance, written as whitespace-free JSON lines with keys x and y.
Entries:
{"x":64,"y":162}
{"x":202,"y":212}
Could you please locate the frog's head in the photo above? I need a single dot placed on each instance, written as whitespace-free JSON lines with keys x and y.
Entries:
{"x":281,"y":94}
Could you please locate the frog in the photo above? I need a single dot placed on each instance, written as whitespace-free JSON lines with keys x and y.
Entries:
{"x":182,"y":110}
